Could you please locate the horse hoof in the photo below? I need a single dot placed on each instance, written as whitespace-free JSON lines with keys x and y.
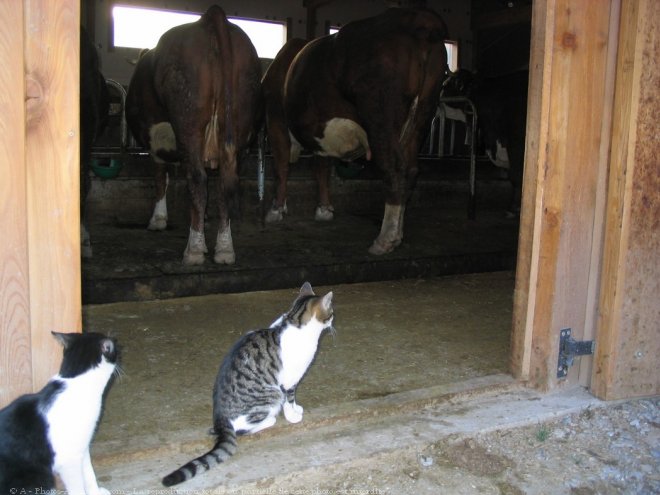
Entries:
{"x":224,"y":258}
{"x":383,"y":247}
{"x":193,"y":259}
{"x":324,"y":213}
{"x":157,"y":223}
{"x":274,"y":215}
{"x":378,"y":248}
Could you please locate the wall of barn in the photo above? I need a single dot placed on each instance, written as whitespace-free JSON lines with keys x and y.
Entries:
{"x":115,"y":61}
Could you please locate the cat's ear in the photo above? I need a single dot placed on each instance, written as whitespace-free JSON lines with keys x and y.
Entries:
{"x":306,"y":289}
{"x":326,"y":302}
{"x":107,"y":347}
{"x":66,"y":339}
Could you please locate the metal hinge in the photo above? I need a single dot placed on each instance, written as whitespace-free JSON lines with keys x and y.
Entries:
{"x":568,"y":349}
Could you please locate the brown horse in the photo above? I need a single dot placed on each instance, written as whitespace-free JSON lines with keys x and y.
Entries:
{"x":369,"y":90}
{"x":195,"y":98}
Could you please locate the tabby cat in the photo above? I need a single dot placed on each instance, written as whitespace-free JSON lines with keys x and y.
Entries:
{"x":49,"y":432}
{"x":259,"y":376}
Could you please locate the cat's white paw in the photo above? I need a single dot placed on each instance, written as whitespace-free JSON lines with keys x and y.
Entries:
{"x":103,"y":491}
{"x":293,"y":412}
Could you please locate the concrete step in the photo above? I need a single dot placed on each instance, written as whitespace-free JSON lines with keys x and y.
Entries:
{"x":336,"y":438}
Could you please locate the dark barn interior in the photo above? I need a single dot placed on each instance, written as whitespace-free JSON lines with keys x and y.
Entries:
{"x":454,"y":271}
{"x":447,"y":230}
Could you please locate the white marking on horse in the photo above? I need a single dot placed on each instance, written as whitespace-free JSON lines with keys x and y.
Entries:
{"x":501,"y":158}
{"x":409,"y":125}
{"x":158,"y":219}
{"x":196,"y":248}
{"x":296,"y":149}
{"x":344,"y":139}
{"x":161,"y":137}
{"x":224,"y":246}
{"x":324,"y":213}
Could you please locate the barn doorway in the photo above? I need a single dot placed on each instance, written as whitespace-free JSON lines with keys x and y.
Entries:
{"x":537,"y":305}
{"x":432,"y":319}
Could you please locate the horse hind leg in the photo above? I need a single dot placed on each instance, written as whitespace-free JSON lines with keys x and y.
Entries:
{"x":227,"y":187}
{"x":162,"y":143}
{"x":322,"y":168}
{"x":224,"y":246}
{"x":159,"y":218}
{"x":285,"y":150}
{"x":196,"y":247}
{"x":391,"y":231}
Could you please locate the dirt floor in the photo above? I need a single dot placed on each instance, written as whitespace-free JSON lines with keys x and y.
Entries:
{"x":390,"y":337}
{"x":409,"y":397}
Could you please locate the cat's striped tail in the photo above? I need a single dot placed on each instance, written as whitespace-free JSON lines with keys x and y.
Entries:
{"x":224,"y":448}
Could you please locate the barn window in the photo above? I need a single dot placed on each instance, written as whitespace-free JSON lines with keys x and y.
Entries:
{"x":135,"y":27}
{"x":452,"y":55}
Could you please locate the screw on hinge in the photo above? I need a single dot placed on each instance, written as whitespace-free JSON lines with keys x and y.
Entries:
{"x":569,"y":349}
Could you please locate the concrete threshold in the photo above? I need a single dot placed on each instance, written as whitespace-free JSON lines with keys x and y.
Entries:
{"x":335,"y":437}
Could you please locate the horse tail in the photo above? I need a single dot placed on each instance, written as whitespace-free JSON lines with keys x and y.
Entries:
{"x":219,"y":139}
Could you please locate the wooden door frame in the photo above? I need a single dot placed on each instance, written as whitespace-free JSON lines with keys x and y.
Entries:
{"x":565,"y":168}
{"x":575,"y":266}
{"x":40,"y":289}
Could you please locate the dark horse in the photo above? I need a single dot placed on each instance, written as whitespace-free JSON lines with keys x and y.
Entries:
{"x":369,"y":90}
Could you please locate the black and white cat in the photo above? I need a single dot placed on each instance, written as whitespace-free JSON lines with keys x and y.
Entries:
{"x":258,"y":378}
{"x":49,"y":432}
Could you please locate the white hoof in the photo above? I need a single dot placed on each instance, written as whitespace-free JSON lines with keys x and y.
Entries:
{"x":193,"y":258}
{"x":391,"y":230}
{"x":195,"y":250}
{"x":157,"y":222}
{"x":381,"y":246}
{"x":224,"y":247}
{"x":224,"y":257}
{"x":276,"y":213}
{"x":324,"y":213}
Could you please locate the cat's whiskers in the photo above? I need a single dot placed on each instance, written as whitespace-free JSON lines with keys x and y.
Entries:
{"x":119,"y":372}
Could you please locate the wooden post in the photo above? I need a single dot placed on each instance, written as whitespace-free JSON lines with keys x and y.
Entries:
{"x":15,"y":355}
{"x":40,"y":265}
{"x":628,"y":345}
{"x":567,"y":105}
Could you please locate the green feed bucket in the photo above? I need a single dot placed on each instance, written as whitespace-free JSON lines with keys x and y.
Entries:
{"x":106,"y":169}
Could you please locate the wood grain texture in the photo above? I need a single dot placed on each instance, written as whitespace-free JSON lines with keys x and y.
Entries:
{"x":556,"y":245}
{"x":15,"y":354}
{"x":538,"y":108}
{"x":52,"y":85}
{"x":626,"y":361}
